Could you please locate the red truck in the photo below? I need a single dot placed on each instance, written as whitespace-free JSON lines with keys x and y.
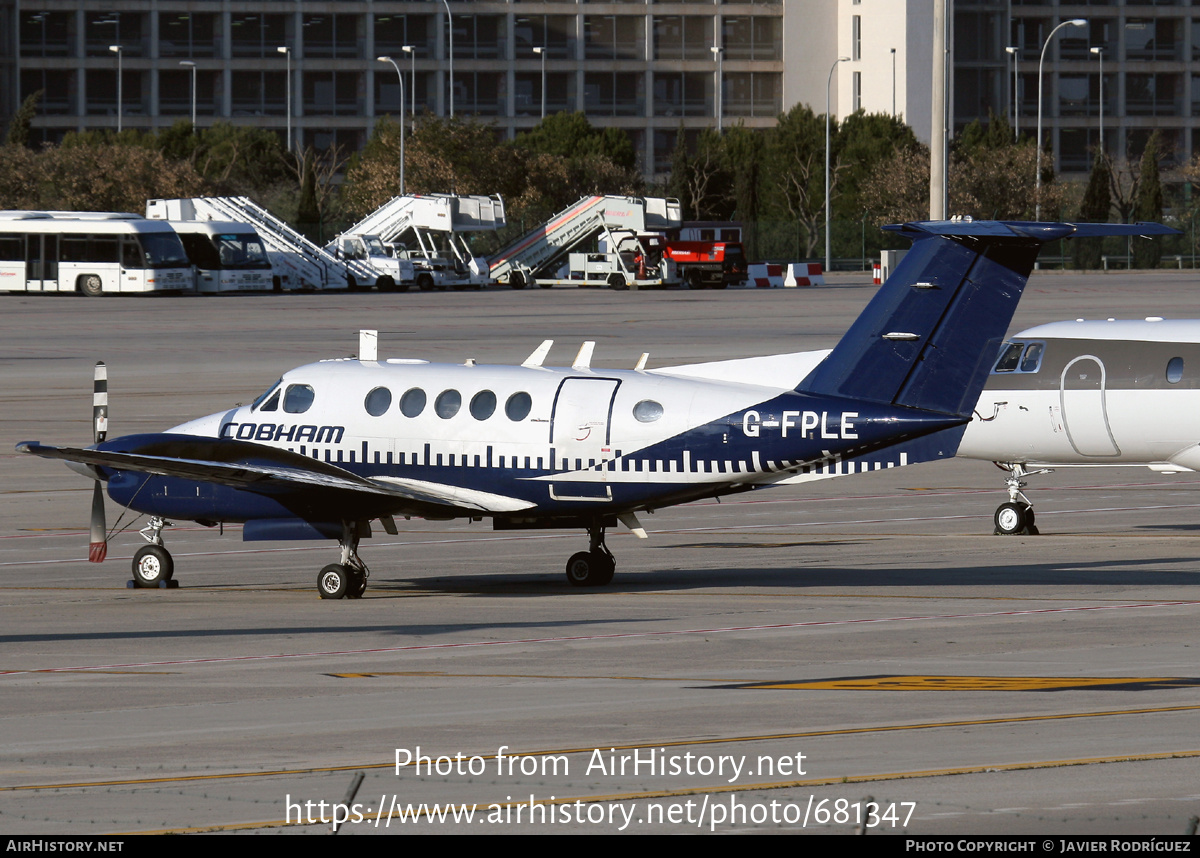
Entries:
{"x":708,"y":264}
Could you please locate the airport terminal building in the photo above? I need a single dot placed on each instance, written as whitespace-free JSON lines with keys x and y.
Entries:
{"x":655,"y":69}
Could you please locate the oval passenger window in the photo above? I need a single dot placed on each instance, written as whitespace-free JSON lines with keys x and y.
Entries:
{"x":412,"y":403}
{"x":378,"y":401}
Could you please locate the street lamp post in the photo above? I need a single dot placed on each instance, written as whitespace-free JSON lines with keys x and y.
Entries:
{"x":541,"y":52}
{"x":118,"y":50}
{"x":192,"y":65}
{"x":287,"y":52}
{"x":1099,"y":52}
{"x":450,"y":27}
{"x":1012,"y":53}
{"x":1037,"y":205}
{"x":412,"y":74}
{"x":828,"y":84}
{"x":893,"y":83}
{"x":719,"y":56}
{"x":401,"y":77}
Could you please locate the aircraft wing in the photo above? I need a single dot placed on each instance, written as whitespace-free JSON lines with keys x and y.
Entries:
{"x":272,"y":472}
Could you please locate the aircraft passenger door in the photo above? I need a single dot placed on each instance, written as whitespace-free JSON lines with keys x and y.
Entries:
{"x":1082,"y":396}
{"x":580,"y":423}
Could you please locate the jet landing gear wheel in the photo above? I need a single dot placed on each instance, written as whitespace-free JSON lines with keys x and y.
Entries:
{"x":1015,"y":518}
{"x":333,"y":581}
{"x":152,"y":567}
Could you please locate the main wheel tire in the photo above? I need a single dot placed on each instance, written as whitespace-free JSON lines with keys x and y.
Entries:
{"x":617,"y":282}
{"x":695,"y":280}
{"x":357,"y":585}
{"x":333,"y":581}
{"x":91,"y":285}
{"x":590,"y":569}
{"x":152,"y":565}
{"x":386,"y":283}
{"x":516,"y":280}
{"x":425,"y":282}
{"x":1011,"y":518}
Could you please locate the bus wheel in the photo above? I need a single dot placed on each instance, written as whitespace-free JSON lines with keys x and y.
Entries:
{"x":91,"y":285}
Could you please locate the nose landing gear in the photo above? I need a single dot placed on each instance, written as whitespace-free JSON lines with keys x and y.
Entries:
{"x":1016,"y":518}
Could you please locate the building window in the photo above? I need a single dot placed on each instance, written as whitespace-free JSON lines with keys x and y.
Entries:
{"x":856,"y":104}
{"x":856,"y":38}
{"x":47,"y":34}
{"x":186,"y":35}
{"x":753,"y":94}
{"x":259,"y":93}
{"x":331,"y":36}
{"x":615,"y":37}
{"x":683,"y":37}
{"x":615,"y":93}
{"x":393,"y":32}
{"x":257,"y":35}
{"x":126,"y":29}
{"x":752,"y":38}
{"x":683,"y":94}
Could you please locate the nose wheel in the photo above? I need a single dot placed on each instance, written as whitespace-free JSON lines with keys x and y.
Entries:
{"x":152,"y":564}
{"x":1015,"y":518}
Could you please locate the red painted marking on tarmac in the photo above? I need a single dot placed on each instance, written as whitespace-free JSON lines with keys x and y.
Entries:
{"x":604,"y":637}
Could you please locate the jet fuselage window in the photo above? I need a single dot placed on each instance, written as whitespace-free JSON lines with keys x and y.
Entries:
{"x":518,"y":406}
{"x":1020,"y":357}
{"x":298,"y":398}
{"x":1175,"y":370}
{"x":647,"y":411}
{"x":483,"y":405}
{"x":378,"y":401}
{"x":412,"y":403}
{"x":447,"y":404}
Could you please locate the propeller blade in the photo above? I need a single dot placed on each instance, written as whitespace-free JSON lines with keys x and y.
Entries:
{"x":98,"y":549}
{"x":100,"y":403}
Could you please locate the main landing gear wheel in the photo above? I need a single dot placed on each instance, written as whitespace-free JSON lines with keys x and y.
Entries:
{"x":594,"y":567}
{"x":591,"y":569}
{"x":346,"y":579}
{"x":152,"y":566}
{"x":1014,"y":518}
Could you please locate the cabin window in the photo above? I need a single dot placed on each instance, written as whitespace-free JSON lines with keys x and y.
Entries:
{"x":378,"y":401}
{"x":483,"y":405}
{"x":412,"y":403}
{"x":518,"y":406}
{"x":447,"y":404}
{"x":1175,"y":370}
{"x":647,"y":411}
{"x":254,"y":406}
{"x":298,"y":398}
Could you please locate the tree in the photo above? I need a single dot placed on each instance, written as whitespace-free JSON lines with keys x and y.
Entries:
{"x":22,"y":121}
{"x":570,"y":135}
{"x":1097,"y":203}
{"x":795,"y":154}
{"x":699,"y":178}
{"x":1148,"y":205}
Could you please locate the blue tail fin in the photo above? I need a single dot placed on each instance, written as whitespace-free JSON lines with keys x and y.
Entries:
{"x":929,"y":336}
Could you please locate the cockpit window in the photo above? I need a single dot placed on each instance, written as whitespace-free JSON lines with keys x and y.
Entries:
{"x":297,"y":399}
{"x":1020,"y":357}
{"x":263,"y":397}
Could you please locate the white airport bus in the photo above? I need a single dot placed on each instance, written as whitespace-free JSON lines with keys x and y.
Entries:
{"x":95,"y":253}
{"x":228,"y":257}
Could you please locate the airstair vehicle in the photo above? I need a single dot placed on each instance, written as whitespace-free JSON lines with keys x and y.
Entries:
{"x":297,"y":262}
{"x":427,"y":229}
{"x":624,"y":260}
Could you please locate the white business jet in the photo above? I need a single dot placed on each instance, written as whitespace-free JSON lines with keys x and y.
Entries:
{"x":1089,"y":393}
{"x":335,"y":445}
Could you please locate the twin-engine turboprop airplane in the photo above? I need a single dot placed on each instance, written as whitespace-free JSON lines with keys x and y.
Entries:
{"x":1098,"y":393}
{"x":334,"y":445}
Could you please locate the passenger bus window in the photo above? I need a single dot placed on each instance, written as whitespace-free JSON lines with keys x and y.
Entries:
{"x":131,"y":254}
{"x":1175,"y":370}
